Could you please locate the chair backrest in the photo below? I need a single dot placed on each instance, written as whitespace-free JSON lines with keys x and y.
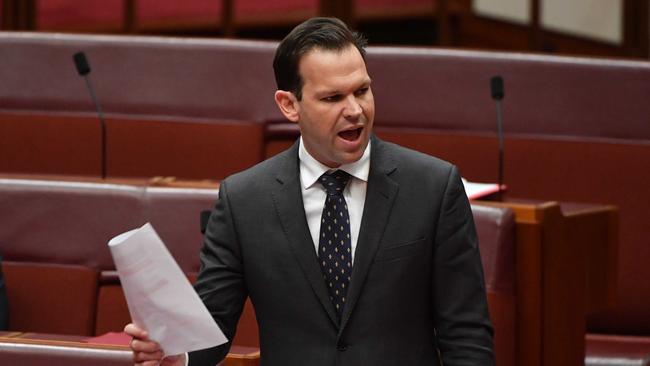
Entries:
{"x":175,"y":214}
{"x":51,"y":298}
{"x":495,"y":227}
{"x":71,"y":222}
{"x":65,"y":222}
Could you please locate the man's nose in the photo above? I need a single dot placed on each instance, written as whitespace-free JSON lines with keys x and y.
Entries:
{"x":352,"y":108}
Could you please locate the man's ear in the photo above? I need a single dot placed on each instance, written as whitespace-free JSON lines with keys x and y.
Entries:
{"x":288,"y":105}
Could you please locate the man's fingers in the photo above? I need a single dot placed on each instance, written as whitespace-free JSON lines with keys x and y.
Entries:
{"x":144,"y":346}
{"x":135,"y":331}
{"x":148,"y":363}
{"x":147,"y":356}
{"x":145,"y":351}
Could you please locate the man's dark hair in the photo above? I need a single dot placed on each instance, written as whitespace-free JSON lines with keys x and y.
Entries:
{"x":325,"y":33}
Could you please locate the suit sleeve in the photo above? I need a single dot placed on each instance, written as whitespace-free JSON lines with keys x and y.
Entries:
{"x":464,"y":330}
{"x":220,"y":283}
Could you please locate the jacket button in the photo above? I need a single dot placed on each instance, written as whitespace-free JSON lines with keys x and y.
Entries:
{"x":341,"y":347}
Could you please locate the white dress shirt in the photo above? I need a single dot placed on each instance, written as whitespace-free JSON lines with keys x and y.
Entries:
{"x":313,"y":193}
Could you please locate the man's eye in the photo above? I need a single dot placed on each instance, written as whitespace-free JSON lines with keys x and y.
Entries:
{"x":332,"y":98}
{"x":361,"y":91}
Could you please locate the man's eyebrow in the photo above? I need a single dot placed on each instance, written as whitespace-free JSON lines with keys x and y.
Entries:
{"x":366,"y":83}
{"x":327,"y":92}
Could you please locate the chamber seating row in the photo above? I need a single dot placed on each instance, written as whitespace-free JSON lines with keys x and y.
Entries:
{"x":227,"y":17}
{"x":575,"y":129}
{"x":148,"y":89}
{"x":60,"y":277}
{"x":54,"y":238}
{"x":38,"y":349}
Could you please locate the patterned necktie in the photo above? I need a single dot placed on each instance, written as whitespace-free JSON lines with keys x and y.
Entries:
{"x":334,"y":247}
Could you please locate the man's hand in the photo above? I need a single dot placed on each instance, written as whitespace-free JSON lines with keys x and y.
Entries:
{"x":147,"y":352}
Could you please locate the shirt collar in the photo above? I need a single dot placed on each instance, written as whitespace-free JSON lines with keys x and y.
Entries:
{"x":311,"y":169}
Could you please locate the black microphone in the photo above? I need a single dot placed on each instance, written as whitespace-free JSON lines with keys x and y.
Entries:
{"x":496,"y":87}
{"x":83,"y":68}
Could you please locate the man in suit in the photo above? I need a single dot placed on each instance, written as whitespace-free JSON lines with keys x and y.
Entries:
{"x":354,"y":251}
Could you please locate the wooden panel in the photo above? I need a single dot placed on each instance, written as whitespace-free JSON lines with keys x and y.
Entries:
{"x":597,"y":227}
{"x":276,"y":146}
{"x":49,"y":144}
{"x":479,"y":163}
{"x":502,"y":306}
{"x":112,"y":311}
{"x":51,"y":298}
{"x":242,"y":356}
{"x":556,"y":256}
{"x":247,"y":334}
{"x":191,"y":150}
{"x":564,"y":292}
{"x":529,"y":294}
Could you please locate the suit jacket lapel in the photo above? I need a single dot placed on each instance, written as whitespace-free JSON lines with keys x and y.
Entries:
{"x":287,"y":197}
{"x":380,"y":195}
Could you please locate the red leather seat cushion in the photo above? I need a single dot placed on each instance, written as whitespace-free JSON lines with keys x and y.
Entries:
{"x":615,"y":350}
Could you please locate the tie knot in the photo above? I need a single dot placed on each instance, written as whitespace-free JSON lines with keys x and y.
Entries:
{"x":334,"y":183}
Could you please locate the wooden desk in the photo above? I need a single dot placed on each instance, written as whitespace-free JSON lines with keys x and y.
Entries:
{"x":566,"y":269}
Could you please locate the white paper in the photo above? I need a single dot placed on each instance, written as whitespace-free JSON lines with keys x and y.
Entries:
{"x":477,"y":190}
{"x":160,"y":298}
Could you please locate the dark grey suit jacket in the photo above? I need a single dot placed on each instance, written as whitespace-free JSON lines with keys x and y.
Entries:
{"x":417,"y":283}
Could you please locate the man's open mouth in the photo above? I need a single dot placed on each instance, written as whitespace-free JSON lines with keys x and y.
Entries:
{"x":351,"y":135}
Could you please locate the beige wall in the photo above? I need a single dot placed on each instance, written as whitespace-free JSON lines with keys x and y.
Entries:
{"x":516,"y":11}
{"x":601,"y":20}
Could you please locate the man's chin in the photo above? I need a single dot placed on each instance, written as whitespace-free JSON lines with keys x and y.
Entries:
{"x":350,"y":157}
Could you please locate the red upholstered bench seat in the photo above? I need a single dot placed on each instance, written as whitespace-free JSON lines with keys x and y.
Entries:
{"x":614,"y":350}
{"x":59,"y":273}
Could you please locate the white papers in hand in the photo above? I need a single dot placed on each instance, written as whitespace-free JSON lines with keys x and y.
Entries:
{"x":478,"y":190}
{"x":160,"y":298}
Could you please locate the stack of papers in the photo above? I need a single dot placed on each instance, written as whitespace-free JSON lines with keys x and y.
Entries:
{"x":160,"y":298}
